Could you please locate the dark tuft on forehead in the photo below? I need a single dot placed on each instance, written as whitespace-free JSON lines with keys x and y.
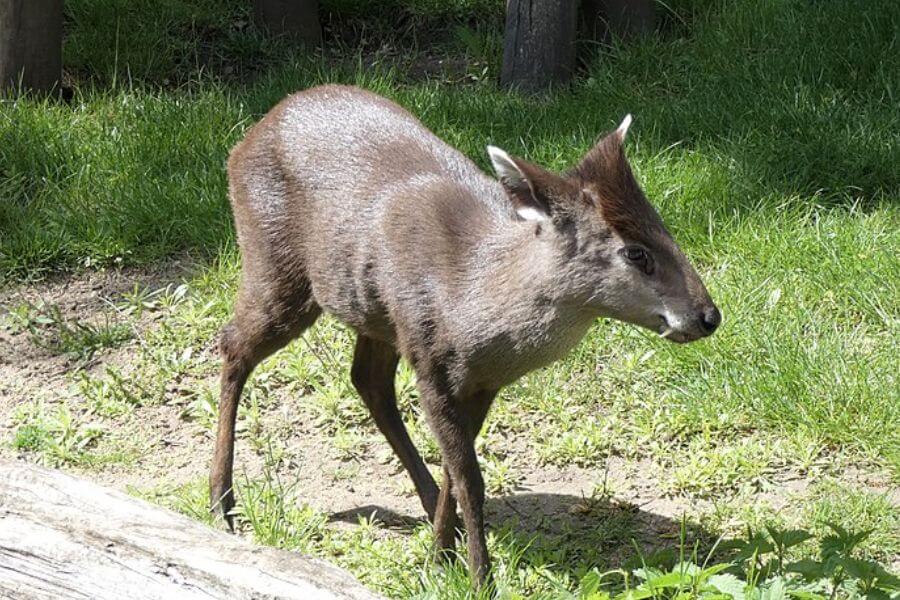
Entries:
{"x":605,"y":172}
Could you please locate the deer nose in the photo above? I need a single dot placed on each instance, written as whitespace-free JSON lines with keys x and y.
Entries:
{"x":710,"y":319}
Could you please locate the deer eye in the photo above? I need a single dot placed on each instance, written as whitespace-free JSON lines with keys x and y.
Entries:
{"x":635,"y":254}
{"x":639,"y":257}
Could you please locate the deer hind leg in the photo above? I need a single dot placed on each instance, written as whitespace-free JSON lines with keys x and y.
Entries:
{"x":374,"y":366}
{"x":259,"y":328}
{"x":445,"y":521}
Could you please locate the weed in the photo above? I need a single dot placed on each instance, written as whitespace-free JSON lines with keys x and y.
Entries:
{"x":712,"y":467}
{"x":141,"y":299}
{"x":852,"y":507}
{"x":500,"y":477}
{"x":49,"y":329}
{"x":268,"y":509}
{"x":759,"y":569}
{"x":203,"y":409}
{"x":18,"y":318}
{"x":349,"y":444}
{"x":345,"y":472}
{"x":56,"y":435}
{"x":191,"y":499}
{"x":113,"y":395}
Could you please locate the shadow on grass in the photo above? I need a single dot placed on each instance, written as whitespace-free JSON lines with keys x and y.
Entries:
{"x":571,"y":533}
{"x":388,"y":517}
{"x":172,"y":44}
{"x":756,"y":108}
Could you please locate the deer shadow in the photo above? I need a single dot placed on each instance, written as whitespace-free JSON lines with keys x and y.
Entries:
{"x":569,"y":532}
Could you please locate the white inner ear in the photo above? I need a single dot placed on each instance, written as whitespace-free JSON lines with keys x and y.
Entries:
{"x":623,"y":127}
{"x":504,"y":166}
{"x":508,"y":171}
{"x":529,"y":213}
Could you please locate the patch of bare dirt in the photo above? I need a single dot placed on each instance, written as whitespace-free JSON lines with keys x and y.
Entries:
{"x":28,"y":369}
{"x":172,"y":450}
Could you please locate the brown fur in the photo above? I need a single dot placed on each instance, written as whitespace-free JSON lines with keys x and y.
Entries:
{"x":606,"y":172}
{"x":345,"y":203}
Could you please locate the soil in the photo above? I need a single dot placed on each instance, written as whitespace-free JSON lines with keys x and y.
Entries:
{"x":173,"y":451}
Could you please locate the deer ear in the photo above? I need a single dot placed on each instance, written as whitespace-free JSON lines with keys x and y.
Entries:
{"x":622,"y":129}
{"x":521,"y":189}
{"x":606,"y":158}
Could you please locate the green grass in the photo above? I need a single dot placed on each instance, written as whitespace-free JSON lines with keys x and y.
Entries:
{"x":832,"y":559}
{"x":766,"y":132}
{"x":60,"y":437}
{"x":49,"y":329}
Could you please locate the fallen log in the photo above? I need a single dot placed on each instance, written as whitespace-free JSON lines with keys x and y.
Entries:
{"x":63,"y":537}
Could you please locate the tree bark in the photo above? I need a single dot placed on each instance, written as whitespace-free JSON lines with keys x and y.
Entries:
{"x":30,"y":44}
{"x":603,"y":19}
{"x":298,"y":18}
{"x":539,"y":43}
{"x":65,"y":538}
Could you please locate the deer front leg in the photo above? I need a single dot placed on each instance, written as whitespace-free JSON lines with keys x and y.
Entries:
{"x":475,"y":409}
{"x":455,"y":422}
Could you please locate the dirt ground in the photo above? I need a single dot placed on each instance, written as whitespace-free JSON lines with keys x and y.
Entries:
{"x":173,"y":451}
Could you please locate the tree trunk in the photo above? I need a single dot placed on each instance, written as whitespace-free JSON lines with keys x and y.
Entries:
{"x":65,"y":538}
{"x":539,"y":43}
{"x":603,"y":19}
{"x":30,"y":44}
{"x":298,"y":18}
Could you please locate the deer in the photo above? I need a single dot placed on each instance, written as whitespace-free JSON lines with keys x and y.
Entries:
{"x":345,"y":203}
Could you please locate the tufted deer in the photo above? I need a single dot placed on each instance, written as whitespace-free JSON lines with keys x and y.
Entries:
{"x":345,"y":203}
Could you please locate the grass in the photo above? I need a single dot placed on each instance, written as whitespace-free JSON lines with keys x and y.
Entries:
{"x":49,"y":329}
{"x":828,"y":561}
{"x":60,"y":437}
{"x":766,"y":132}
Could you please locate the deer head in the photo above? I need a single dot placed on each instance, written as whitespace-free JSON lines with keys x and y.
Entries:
{"x":615,"y":256}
